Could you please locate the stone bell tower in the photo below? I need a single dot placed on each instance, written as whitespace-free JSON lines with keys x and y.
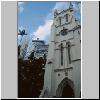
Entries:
{"x":63,"y":67}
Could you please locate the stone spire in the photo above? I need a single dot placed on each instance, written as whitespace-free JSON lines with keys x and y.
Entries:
{"x":55,"y":12}
{"x":71,"y":5}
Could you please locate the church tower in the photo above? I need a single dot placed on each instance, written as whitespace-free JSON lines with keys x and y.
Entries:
{"x":63,"y":67}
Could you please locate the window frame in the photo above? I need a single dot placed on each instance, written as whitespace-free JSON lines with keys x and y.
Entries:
{"x":59,"y":20}
{"x":66,"y":16}
{"x":61,"y":54}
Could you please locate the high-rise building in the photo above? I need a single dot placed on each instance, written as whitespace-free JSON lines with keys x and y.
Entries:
{"x":38,"y":48}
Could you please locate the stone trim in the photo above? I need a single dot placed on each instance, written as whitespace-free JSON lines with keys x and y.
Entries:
{"x":76,"y":60}
{"x":63,"y":69}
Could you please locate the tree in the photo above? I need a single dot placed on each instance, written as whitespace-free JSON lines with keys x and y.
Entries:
{"x":31,"y":57}
{"x":19,"y":50}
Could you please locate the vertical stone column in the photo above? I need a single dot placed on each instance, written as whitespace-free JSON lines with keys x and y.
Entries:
{"x":59,"y":52}
{"x":57,"y":58}
{"x":48,"y":76}
{"x":66,"y":55}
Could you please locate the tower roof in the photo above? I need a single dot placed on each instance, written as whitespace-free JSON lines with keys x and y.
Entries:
{"x":65,"y":10}
{"x":71,"y":5}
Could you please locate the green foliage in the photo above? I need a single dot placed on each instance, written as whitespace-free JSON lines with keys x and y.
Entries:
{"x":30,"y":77}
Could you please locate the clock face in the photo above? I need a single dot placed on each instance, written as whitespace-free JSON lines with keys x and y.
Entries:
{"x":64,"y":32}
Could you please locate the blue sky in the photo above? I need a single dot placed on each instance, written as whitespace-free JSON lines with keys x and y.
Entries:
{"x":37,"y":17}
{"x":33,"y":14}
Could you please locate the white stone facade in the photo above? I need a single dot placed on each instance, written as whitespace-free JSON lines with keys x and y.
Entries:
{"x":63,"y":66}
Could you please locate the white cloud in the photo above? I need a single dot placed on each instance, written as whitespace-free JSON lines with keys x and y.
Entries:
{"x":65,"y":5}
{"x":43,"y":30}
{"x":21,"y":28}
{"x":61,"y":6}
{"x":20,"y":3}
{"x":20,"y":7}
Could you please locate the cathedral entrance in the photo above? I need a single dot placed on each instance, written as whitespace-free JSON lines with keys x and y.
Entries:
{"x":67,"y":92}
{"x":65,"y":89}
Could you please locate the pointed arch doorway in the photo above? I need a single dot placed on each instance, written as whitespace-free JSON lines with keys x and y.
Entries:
{"x":65,"y":89}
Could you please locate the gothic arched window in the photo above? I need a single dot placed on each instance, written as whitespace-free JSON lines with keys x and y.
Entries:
{"x":69,"y":56}
{"x":61,"y":54}
{"x":59,"y":20}
{"x":66,"y":17}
